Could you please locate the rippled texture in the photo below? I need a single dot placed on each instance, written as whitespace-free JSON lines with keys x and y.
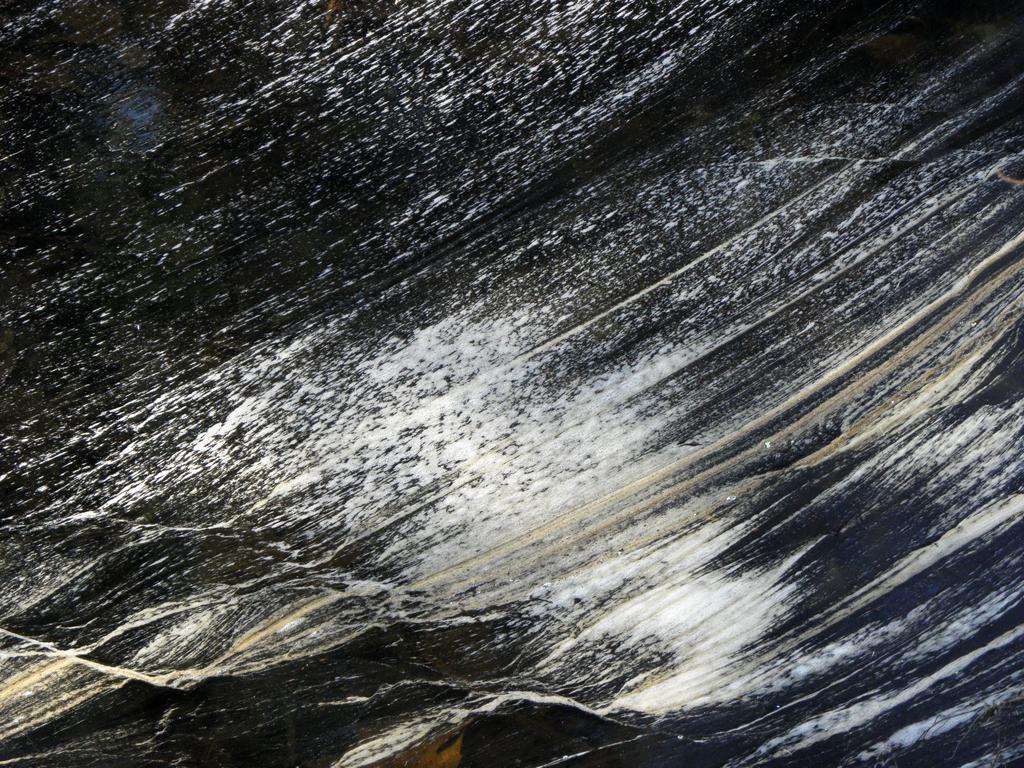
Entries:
{"x":521,"y":383}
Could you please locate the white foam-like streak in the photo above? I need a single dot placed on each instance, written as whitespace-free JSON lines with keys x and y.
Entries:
{"x":846,"y":719}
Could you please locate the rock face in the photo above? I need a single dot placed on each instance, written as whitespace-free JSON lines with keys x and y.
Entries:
{"x":451,"y":383}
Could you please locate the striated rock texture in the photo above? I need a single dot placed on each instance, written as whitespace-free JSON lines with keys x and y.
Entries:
{"x":448,"y":383}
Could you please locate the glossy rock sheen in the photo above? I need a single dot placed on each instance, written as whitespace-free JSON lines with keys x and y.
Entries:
{"x":511,"y":383}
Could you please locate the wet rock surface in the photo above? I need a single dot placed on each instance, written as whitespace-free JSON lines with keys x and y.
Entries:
{"x":511,"y":384}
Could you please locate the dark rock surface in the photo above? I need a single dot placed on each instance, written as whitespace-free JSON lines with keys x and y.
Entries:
{"x":511,"y":383}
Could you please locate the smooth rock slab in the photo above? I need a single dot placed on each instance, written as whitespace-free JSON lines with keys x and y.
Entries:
{"x":511,"y":384}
